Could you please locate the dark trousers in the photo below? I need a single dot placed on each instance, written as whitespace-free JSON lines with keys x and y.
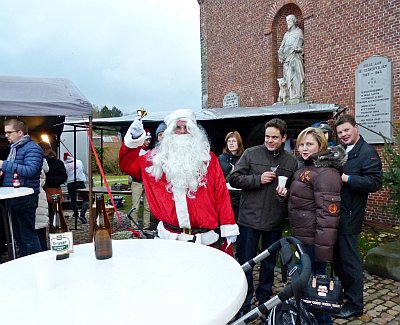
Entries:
{"x":247,"y":248}
{"x":72,"y":191}
{"x":348,"y":266}
{"x":23,"y":212}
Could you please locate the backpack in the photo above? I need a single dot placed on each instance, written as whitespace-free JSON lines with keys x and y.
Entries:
{"x":286,"y":314}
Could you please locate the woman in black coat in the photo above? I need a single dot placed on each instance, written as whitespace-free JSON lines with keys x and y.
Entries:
{"x":230,"y":155}
{"x":55,"y":177}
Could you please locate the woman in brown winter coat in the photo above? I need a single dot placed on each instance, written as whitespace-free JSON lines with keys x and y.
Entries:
{"x":314,"y":200}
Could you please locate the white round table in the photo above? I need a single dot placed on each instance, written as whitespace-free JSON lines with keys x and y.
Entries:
{"x":230,"y":188}
{"x":145,"y":282}
{"x":9,"y":193}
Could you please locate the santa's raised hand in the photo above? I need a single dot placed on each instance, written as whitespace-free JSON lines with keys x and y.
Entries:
{"x":134,"y":134}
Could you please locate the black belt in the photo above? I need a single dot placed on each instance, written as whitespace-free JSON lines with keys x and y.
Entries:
{"x":188,"y":231}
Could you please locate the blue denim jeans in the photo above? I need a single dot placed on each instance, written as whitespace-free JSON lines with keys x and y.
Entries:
{"x":318,"y":268}
{"x":247,"y":248}
{"x":23,"y":214}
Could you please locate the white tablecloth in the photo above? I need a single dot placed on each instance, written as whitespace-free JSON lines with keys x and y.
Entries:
{"x":145,"y":282}
{"x":11,"y":192}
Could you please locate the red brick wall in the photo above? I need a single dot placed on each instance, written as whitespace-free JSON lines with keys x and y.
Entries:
{"x":241,"y":39}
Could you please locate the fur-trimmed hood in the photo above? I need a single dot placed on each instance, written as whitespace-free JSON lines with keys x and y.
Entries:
{"x":334,"y":157}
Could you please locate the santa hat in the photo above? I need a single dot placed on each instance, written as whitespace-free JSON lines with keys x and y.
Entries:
{"x":66,"y":155}
{"x":180,"y":114}
{"x":148,"y":134}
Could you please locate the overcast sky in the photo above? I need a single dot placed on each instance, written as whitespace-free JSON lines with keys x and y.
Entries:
{"x":123,"y":53}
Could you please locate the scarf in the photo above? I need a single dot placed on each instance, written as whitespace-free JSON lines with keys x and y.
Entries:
{"x":14,"y":146}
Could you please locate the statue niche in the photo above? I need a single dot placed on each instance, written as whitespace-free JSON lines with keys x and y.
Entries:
{"x":291,"y":55}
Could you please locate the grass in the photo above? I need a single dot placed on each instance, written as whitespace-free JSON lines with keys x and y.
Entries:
{"x":370,"y":237}
{"x":114,"y":179}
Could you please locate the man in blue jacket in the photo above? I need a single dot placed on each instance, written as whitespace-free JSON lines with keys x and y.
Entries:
{"x":25,"y":157}
{"x":362,"y":174}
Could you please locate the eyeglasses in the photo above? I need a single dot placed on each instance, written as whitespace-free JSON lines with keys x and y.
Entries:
{"x":7,"y":133}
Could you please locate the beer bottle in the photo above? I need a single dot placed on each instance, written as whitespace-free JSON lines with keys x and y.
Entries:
{"x":16,"y":182}
{"x":102,"y":231}
{"x":57,"y":227}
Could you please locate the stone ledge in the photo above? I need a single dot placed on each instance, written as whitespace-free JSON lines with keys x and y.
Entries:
{"x":384,"y":260}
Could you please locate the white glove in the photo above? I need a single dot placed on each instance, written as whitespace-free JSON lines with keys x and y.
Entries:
{"x":136,"y":129}
{"x":231,"y":239}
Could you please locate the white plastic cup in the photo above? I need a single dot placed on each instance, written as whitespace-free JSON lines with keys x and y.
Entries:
{"x":282,"y":181}
{"x":45,"y":270}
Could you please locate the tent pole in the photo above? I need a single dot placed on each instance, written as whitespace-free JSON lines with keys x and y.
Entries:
{"x":75,"y":216}
{"x":90,"y":171}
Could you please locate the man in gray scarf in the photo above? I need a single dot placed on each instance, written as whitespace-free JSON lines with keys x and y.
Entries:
{"x":25,"y":158}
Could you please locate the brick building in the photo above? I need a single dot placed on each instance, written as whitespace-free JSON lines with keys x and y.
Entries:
{"x":240,"y":40}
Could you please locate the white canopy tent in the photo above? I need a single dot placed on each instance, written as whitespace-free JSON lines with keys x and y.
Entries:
{"x":27,"y":96}
{"x":43,"y":104}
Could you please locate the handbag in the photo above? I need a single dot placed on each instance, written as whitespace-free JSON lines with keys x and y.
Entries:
{"x":323,"y":293}
{"x":51,"y":191}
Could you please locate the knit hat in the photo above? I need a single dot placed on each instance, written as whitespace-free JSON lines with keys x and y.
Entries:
{"x":148,"y":134}
{"x":161,"y":128}
{"x":179,"y":114}
{"x":324,"y":126}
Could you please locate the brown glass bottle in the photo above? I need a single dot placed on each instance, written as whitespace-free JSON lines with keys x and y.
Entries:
{"x":57,"y":225}
{"x":102,"y":231}
{"x":16,"y":182}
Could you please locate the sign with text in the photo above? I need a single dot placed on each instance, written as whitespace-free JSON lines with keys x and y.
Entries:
{"x":231,"y":100}
{"x":373,"y":97}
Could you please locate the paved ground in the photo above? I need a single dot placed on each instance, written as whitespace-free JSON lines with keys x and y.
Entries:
{"x":381,"y":301}
{"x":381,"y":295}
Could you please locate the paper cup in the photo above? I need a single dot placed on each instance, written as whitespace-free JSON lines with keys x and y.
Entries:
{"x":45,"y":270}
{"x":282,"y":181}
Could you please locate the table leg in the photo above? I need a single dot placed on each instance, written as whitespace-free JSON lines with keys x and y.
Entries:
{"x":8,"y":229}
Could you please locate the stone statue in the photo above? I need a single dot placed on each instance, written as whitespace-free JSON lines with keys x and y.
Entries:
{"x":290,"y":54}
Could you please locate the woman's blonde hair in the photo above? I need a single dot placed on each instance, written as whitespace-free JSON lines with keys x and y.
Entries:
{"x":236,"y":135}
{"x":318,"y":135}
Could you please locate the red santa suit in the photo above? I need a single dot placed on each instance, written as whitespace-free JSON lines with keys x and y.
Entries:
{"x":208,"y":209}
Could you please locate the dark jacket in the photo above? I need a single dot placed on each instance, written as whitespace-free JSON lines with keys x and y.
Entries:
{"x":28,"y":161}
{"x":365,"y":170}
{"x":57,"y":174}
{"x":314,"y":202}
{"x":227,"y":162}
{"x":260,"y":207}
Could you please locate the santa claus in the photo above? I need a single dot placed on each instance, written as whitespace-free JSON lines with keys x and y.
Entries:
{"x":183,"y":180}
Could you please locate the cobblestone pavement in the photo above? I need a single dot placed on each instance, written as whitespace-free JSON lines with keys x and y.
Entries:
{"x":381,"y":295}
{"x":381,"y":301}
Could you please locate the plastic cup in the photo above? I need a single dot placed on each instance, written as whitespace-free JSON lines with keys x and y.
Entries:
{"x":45,"y":270}
{"x":282,"y":181}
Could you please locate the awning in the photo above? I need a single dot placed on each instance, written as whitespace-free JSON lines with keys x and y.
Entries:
{"x":28,"y":96}
{"x":220,"y":113}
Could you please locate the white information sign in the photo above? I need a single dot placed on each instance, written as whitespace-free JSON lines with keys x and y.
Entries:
{"x":231,"y":100}
{"x":373,"y":97}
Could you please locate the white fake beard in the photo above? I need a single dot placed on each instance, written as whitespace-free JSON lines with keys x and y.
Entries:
{"x":184,"y":158}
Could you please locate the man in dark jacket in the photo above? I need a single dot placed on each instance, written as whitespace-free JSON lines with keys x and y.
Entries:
{"x":261,"y":213}
{"x":25,"y":157}
{"x":362,"y":174}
